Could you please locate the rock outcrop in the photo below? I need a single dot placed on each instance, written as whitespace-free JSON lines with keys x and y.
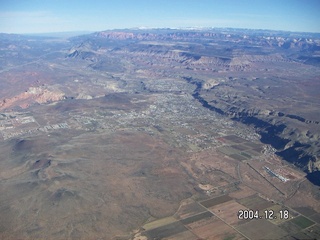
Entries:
{"x":31,"y":96}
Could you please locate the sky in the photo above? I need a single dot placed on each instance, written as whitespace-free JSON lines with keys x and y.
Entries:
{"x":43,"y":16}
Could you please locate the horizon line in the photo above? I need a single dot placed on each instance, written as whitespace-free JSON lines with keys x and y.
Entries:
{"x":159,"y":28}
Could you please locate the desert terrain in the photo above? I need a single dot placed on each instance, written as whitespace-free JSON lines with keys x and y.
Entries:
{"x":160,"y":134}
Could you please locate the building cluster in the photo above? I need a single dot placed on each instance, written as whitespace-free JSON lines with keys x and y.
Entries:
{"x":274,"y":174}
{"x":177,"y":115}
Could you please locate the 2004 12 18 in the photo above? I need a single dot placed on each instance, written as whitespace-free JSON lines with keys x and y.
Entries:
{"x":249,"y":214}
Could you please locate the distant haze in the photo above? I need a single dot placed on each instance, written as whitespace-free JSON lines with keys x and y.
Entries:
{"x":38,"y":16}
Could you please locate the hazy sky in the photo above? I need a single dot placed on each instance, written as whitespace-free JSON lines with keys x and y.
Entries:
{"x":39,"y":16}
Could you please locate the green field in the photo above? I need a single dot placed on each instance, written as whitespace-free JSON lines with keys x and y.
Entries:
{"x":165,"y":231}
{"x":215,"y":201}
{"x":290,"y":227}
{"x":196,"y":218}
{"x":245,"y":155}
{"x":255,"y":203}
{"x":302,"y":222}
{"x":261,"y":229}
